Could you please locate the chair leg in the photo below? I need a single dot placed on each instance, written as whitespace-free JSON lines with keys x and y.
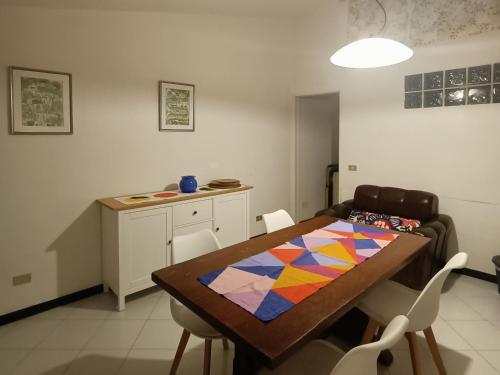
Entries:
{"x":370,"y":331}
{"x":180,"y":351}
{"x":431,"y":341}
{"x":225,"y":345}
{"x":208,"y":355}
{"x":415,"y":356}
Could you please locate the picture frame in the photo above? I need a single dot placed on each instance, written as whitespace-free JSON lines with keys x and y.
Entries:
{"x":176,"y":106}
{"x":40,"y":102}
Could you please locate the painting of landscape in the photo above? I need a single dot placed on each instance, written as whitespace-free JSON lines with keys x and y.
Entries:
{"x":42,"y":102}
{"x":177,"y":107}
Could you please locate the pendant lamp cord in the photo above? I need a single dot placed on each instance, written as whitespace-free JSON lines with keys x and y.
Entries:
{"x":385,"y":15}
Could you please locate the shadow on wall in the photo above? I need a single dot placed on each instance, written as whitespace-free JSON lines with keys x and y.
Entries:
{"x":78,"y":253}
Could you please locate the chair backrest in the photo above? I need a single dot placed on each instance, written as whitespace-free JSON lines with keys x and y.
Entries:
{"x":187,"y":247}
{"x":277,"y":220}
{"x":193,"y":245}
{"x":412,"y":204}
{"x":425,"y":309}
{"x":363,"y":359}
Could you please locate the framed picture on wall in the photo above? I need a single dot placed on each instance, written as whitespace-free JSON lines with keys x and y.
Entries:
{"x":40,"y":102}
{"x":176,"y":106}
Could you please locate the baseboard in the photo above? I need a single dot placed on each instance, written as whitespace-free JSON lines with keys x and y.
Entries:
{"x":477,"y":274}
{"x":44,"y":306}
{"x":64,"y":300}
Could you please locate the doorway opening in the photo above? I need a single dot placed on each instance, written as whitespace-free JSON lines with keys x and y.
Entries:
{"x":316,"y":153}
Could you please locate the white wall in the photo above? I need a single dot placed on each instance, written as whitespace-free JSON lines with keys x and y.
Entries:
{"x":317,"y":135}
{"x":451,"y":151}
{"x":49,"y":222}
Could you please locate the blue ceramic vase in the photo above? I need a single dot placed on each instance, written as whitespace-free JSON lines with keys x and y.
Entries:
{"x":188,"y":184}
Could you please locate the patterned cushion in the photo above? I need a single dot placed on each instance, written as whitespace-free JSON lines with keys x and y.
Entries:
{"x":384,"y":221}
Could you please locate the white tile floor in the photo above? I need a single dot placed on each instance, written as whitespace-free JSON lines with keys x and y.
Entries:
{"x":90,"y":337}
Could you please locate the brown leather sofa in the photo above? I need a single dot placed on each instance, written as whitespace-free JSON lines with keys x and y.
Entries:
{"x":410,"y":204}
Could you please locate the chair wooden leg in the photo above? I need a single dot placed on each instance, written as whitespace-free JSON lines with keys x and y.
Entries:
{"x":208,"y":355}
{"x":370,"y":331}
{"x":180,"y":351}
{"x":415,"y":356}
{"x":431,"y":341}
{"x":225,"y":345}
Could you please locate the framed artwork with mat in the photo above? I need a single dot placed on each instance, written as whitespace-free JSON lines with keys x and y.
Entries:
{"x":176,"y":105}
{"x":40,"y":102}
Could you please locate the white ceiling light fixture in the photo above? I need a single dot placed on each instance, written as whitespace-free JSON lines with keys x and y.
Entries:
{"x":372,"y":52}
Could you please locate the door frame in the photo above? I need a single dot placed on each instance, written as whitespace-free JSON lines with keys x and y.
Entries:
{"x":295,"y":191}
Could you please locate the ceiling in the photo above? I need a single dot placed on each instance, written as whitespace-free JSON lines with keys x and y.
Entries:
{"x":285,"y":8}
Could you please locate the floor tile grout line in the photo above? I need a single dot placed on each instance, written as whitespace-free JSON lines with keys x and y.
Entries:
{"x":50,"y":333}
{"x":463,"y":337}
{"x":472,"y":307}
{"x":28,"y":353}
{"x":131,"y":347}
{"x":486,"y":359}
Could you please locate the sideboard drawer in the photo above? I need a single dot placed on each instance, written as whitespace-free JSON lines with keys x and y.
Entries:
{"x":193,"y":212}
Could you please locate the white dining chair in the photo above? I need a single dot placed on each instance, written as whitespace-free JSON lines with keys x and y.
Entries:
{"x":321,"y":357}
{"x":185,"y":248}
{"x":383,"y":302}
{"x":277,"y":220}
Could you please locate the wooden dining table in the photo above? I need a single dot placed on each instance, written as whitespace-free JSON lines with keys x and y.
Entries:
{"x":259,"y":343}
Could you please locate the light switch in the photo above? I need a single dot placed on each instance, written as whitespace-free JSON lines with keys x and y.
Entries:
{"x":352,"y":167}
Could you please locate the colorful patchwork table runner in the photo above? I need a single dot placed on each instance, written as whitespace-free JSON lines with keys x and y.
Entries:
{"x":272,"y":282}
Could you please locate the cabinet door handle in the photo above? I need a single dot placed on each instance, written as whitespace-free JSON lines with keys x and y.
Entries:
{"x":195,"y":212}
{"x":217,"y":229}
{"x":170,"y":242}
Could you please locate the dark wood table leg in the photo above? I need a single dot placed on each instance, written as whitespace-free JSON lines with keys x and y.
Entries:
{"x":243,"y":363}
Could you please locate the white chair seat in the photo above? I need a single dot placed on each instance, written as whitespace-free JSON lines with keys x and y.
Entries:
{"x":387,"y":300}
{"x":318,"y":357}
{"x":192,"y":322}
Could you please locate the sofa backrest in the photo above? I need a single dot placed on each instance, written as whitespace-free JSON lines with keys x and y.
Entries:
{"x":410,"y":204}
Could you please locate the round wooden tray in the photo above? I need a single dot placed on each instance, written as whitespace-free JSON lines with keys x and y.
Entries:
{"x":223,"y":186}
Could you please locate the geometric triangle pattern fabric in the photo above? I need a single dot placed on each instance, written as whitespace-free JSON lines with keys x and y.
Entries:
{"x":272,"y":282}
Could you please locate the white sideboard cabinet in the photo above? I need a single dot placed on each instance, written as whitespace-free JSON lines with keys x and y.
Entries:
{"x":137,"y":237}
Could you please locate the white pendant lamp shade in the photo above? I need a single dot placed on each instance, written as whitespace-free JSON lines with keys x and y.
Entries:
{"x":371,"y":53}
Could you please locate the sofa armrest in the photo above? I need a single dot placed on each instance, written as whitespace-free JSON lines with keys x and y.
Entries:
{"x":440,"y":252}
{"x":340,"y":210}
{"x":450,"y":242}
{"x":420,"y":271}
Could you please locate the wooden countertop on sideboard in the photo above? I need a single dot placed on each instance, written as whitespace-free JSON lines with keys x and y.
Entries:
{"x":116,"y":205}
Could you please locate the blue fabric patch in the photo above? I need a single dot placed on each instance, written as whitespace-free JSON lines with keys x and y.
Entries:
{"x":306,"y":259}
{"x":363,"y":228}
{"x":366,"y":244}
{"x":298,"y":242}
{"x":209,"y":277}
{"x":272,"y":306}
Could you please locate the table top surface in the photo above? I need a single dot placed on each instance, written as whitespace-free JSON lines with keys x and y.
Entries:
{"x":272,"y":342}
